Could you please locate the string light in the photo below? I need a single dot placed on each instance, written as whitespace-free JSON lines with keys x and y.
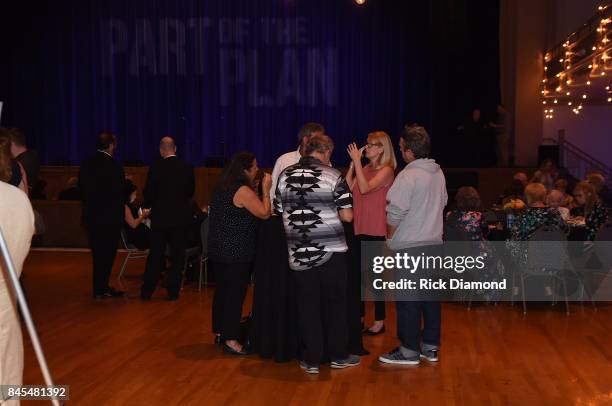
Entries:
{"x":571,"y":72}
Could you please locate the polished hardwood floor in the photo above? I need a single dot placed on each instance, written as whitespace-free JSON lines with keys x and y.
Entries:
{"x":124,"y":352}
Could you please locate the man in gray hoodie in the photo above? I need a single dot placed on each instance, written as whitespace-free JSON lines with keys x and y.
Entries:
{"x":415,"y":205}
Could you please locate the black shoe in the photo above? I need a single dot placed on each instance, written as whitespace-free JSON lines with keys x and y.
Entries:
{"x":230,"y":350}
{"x":368,"y":332}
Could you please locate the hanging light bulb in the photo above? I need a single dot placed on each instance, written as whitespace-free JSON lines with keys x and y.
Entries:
{"x":588,"y":82}
{"x":584,"y":96}
{"x":555,"y":101}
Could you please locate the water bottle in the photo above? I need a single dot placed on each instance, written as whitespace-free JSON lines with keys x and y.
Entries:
{"x":509,"y":220}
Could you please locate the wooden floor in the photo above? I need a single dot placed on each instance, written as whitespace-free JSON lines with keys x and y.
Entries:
{"x":124,"y":352}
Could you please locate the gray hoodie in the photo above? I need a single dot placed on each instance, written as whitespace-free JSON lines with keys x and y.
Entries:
{"x":415,"y":204}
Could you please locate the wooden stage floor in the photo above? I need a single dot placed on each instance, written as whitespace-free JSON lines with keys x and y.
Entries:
{"x":124,"y":352}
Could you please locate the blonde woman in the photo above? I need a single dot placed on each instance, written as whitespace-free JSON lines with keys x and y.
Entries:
{"x":369,"y":185}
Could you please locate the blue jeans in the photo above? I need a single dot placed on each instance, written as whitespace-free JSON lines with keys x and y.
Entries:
{"x":409,"y":315}
{"x":411,"y":312}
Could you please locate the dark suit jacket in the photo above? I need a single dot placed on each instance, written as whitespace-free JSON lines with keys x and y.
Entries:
{"x":101,"y":181}
{"x":168,"y":192}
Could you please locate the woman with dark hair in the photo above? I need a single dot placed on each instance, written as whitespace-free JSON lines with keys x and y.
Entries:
{"x":235,"y":210}
{"x":589,"y":208}
{"x":468,"y":217}
{"x":136,"y":232}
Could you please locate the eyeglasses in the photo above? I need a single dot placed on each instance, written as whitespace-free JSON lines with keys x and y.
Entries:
{"x":373,"y":145}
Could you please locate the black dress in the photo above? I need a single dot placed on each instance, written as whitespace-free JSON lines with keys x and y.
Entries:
{"x":139,"y":236}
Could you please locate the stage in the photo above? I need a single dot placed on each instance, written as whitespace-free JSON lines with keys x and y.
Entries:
{"x":125,"y":352}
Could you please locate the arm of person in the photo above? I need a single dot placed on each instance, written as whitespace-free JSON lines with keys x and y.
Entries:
{"x":129,"y":219}
{"x":350,"y":176}
{"x":276,"y":171}
{"x":24,"y":179}
{"x":247,"y":198}
{"x":398,"y":203}
{"x":391,"y":230}
{"x":346,"y":215}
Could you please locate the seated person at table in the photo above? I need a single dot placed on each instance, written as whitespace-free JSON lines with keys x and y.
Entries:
{"x":536,"y":215}
{"x":546,"y":175}
{"x":516,"y":188}
{"x":589,"y":207}
{"x":555,"y":200}
{"x":72,"y":191}
{"x":561,"y":185}
{"x":235,"y":210}
{"x":468,"y":217}
{"x":599,"y":183}
{"x":136,"y":232}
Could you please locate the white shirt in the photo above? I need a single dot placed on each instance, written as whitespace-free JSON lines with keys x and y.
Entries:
{"x":17,"y":224}
{"x":284,"y":161}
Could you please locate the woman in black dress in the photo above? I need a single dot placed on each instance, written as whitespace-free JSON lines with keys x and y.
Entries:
{"x":235,"y":210}
{"x":136,"y":232}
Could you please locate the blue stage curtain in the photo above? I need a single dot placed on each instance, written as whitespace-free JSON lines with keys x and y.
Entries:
{"x":225,"y":76}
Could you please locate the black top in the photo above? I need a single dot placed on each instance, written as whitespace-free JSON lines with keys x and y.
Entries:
{"x":168,"y":192}
{"x":31,"y":164}
{"x":101,"y":181}
{"x":232,"y":230}
{"x":15,"y":179}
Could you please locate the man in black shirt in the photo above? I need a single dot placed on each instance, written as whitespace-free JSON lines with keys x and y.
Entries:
{"x":101,"y":181}
{"x":168,"y":192}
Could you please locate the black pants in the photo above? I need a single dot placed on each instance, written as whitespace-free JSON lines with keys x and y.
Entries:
{"x":232,"y":280}
{"x":103,"y":241}
{"x":174,"y":238}
{"x":321,"y":302}
{"x":379,"y":305}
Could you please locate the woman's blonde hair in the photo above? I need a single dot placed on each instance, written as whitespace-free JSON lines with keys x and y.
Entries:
{"x":591,"y":196}
{"x":535,"y":192}
{"x":387,"y":157}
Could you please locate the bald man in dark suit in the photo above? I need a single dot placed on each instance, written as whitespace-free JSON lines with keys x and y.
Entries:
{"x":168,"y":193}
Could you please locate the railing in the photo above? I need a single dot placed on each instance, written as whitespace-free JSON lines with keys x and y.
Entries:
{"x":579,"y":163}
